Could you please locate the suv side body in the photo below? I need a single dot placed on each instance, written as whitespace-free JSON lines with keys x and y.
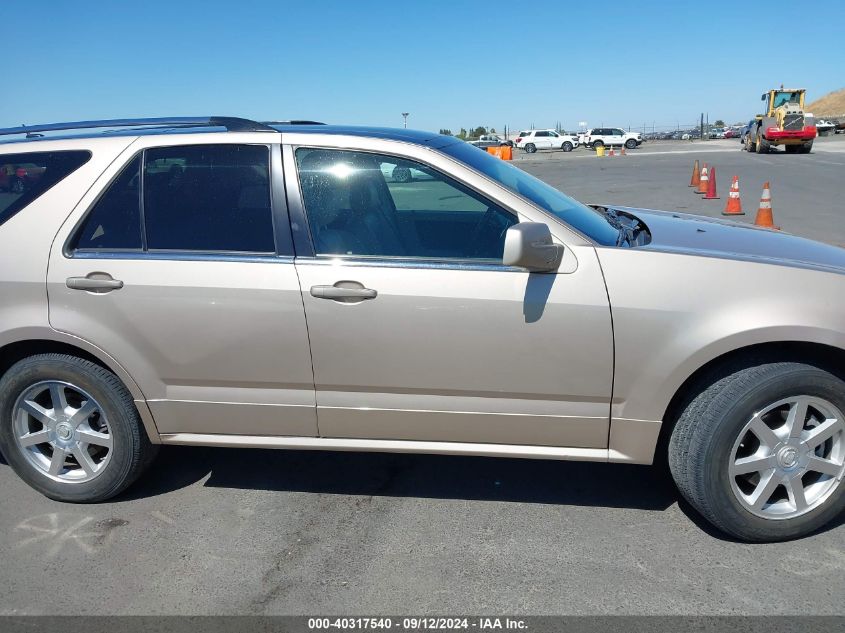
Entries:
{"x":533,"y":140}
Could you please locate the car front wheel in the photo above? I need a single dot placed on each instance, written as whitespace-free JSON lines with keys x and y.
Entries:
{"x":70,"y":429}
{"x":630,"y":143}
{"x":760,"y":451}
{"x":566,"y":147}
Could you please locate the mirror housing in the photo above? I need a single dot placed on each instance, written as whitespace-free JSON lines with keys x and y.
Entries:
{"x":529,"y":245}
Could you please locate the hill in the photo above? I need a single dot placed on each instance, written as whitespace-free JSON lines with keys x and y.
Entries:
{"x":832,"y":104}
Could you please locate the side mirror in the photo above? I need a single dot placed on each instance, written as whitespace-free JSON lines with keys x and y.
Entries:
{"x":529,"y":245}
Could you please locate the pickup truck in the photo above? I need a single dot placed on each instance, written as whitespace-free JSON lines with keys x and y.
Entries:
{"x":490,"y":140}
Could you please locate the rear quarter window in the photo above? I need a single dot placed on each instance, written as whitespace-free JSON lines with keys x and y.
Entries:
{"x":25,"y":177}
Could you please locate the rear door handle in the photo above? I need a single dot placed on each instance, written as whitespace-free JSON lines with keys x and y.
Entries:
{"x":95,"y":282}
{"x":349,"y":291}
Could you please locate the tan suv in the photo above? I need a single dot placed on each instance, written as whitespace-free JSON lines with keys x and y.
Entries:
{"x":230,"y":283}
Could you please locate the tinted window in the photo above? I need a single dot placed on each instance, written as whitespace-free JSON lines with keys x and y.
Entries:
{"x":368,"y":204}
{"x":543,"y":134}
{"x":115,"y":220}
{"x":24,"y":177}
{"x":208,"y":198}
{"x":572,"y":212}
{"x":525,"y":134}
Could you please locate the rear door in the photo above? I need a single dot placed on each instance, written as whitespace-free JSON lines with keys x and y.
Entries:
{"x":179,"y":265}
{"x":544,"y":139}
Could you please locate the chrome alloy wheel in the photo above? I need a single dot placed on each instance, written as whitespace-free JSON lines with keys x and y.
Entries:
{"x":789,"y":457}
{"x":62,"y":431}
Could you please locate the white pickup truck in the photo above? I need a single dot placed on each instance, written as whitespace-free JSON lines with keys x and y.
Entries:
{"x":490,"y":140}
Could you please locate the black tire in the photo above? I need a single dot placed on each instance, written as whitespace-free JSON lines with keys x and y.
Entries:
{"x":762,"y":145}
{"x":132,"y":451}
{"x":707,"y":428}
{"x":566,"y":147}
{"x":597,"y":144}
{"x":791,"y":149}
{"x":530,"y":148}
{"x":631,"y":143}
{"x":401,"y":174}
{"x":805,"y":148}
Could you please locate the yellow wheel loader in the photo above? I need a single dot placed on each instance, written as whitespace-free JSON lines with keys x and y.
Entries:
{"x":784,"y":123}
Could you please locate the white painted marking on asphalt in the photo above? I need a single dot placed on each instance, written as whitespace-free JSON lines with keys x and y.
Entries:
{"x":57,"y":536}
{"x":162,"y":517}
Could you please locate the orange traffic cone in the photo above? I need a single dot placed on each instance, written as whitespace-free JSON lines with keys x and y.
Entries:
{"x":622,"y":151}
{"x":703,"y":181}
{"x":610,"y":153}
{"x":711,"y":186}
{"x":734,"y":205}
{"x":696,"y":175}
{"x":764,"y":213}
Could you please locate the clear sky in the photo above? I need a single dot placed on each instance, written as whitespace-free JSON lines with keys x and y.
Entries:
{"x":450,"y":64}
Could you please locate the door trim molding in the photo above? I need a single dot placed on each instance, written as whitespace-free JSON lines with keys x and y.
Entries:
{"x":387,"y":446}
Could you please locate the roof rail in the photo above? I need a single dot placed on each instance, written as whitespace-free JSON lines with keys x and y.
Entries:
{"x":293,"y":122}
{"x":232,"y":124}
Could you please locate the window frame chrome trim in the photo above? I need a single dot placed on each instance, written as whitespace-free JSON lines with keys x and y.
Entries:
{"x":406,"y":262}
{"x":183,"y":256}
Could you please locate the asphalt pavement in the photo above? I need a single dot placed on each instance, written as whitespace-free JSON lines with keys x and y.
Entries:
{"x":808,"y":190}
{"x":235,"y":531}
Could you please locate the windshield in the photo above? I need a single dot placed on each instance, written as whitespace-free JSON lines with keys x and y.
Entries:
{"x":786,"y":97}
{"x":580,"y":217}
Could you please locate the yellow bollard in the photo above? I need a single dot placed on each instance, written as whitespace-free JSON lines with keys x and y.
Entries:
{"x":600,"y":151}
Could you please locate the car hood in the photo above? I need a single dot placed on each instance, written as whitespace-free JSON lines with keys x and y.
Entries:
{"x":709,"y":237}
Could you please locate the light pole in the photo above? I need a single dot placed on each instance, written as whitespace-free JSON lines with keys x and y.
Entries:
{"x":405,"y":119}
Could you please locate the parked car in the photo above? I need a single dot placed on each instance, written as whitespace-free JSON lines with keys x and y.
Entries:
{"x":717,"y":132}
{"x":490,"y":140}
{"x":264,"y":286}
{"x":532,"y":140}
{"x":745,"y":134}
{"x":731,"y":133}
{"x":825,"y":127}
{"x":401,"y":173}
{"x":612,"y":136}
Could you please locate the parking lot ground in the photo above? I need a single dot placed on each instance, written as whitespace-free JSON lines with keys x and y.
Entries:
{"x":808,"y":191}
{"x":233,"y":531}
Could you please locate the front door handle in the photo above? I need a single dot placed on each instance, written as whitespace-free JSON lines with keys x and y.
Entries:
{"x":345,"y":291}
{"x":95,"y":282}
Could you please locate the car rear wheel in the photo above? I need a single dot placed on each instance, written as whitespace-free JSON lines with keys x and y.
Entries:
{"x":530,"y":148}
{"x":760,"y":451}
{"x":598,"y":144}
{"x":70,"y":429}
{"x":566,"y":147}
{"x":630,"y":143}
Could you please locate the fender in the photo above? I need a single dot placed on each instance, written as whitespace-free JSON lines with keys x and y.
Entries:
{"x":40,"y":334}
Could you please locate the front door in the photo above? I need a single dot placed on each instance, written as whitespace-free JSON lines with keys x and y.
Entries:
{"x":175,"y":273}
{"x":418,"y":332}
